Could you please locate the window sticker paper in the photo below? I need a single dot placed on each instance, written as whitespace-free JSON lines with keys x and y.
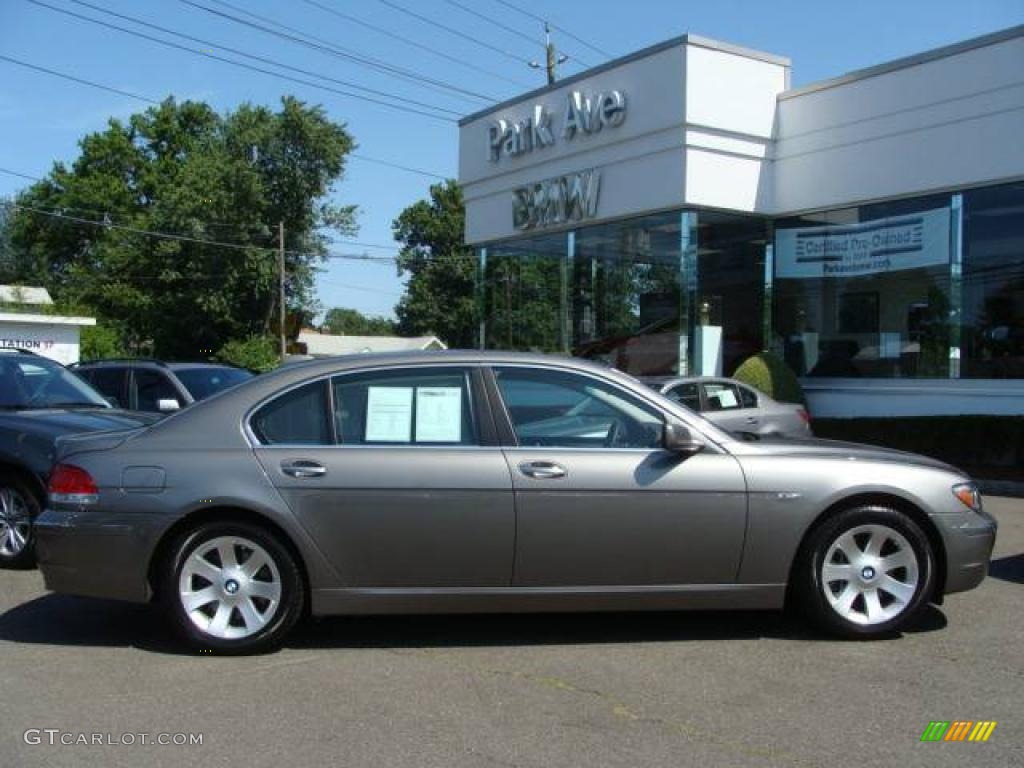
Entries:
{"x":439,"y":415}
{"x":389,"y":414}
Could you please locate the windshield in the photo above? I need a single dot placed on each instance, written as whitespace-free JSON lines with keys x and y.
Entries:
{"x":27,"y":381}
{"x":201,"y":382}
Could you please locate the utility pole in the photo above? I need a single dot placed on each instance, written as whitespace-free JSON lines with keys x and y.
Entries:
{"x":280,"y":298}
{"x":553,"y":58}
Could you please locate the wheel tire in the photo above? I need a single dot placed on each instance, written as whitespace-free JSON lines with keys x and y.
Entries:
{"x":19,"y":507}
{"x":255,"y":622}
{"x":870,"y":549}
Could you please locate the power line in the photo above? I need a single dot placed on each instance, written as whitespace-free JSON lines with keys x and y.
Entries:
{"x":397,"y":165}
{"x":494,"y":22}
{"x":453,"y":31}
{"x":407,"y":41}
{"x":203,"y":241}
{"x":243,"y":65}
{"x":563,"y":30}
{"x":325,"y":47}
{"x":78,"y":80}
{"x":263,"y":59}
{"x":353,"y":155}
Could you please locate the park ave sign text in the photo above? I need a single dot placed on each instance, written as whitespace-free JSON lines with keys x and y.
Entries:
{"x":583,"y":115}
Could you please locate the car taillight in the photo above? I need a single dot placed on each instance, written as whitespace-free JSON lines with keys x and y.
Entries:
{"x":804,"y":415}
{"x":72,"y":485}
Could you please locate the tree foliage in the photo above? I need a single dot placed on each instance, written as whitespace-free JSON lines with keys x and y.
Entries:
{"x":182,"y":168}
{"x":257,"y":353}
{"x":439,"y":297}
{"x":352,"y":322}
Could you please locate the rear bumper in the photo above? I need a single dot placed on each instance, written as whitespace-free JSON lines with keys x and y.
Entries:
{"x":97,"y":554}
{"x":968,"y":551}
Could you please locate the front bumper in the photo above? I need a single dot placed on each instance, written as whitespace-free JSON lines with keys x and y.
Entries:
{"x":968,"y":551}
{"x":97,"y":554}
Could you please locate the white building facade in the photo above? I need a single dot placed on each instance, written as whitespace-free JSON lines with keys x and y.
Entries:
{"x":681,"y":208}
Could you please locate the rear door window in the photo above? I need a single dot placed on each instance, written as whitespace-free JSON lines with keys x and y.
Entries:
{"x":405,"y":407}
{"x":297,"y":417}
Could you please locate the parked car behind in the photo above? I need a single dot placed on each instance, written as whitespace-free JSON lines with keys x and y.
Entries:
{"x":152,"y":385}
{"x":734,"y":406}
{"x":487,"y":481}
{"x":40,"y":401}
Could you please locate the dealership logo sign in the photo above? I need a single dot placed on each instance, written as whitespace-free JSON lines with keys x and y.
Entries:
{"x":583,"y":115}
{"x":556,"y":201}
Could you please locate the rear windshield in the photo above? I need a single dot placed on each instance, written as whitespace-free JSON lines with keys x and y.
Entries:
{"x":206,"y":381}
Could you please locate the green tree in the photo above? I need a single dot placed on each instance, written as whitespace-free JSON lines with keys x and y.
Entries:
{"x":184,"y":169}
{"x":440,"y":293}
{"x":352,"y":322}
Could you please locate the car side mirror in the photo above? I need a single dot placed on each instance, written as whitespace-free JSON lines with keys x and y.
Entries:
{"x":166,"y":405}
{"x":113,"y":402}
{"x":678,"y":438}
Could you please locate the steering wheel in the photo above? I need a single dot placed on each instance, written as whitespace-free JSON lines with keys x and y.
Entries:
{"x":615,"y":432}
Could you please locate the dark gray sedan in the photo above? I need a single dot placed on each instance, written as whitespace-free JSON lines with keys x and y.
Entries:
{"x":463,"y":481}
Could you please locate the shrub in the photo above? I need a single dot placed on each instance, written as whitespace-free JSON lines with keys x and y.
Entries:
{"x":257,"y":353}
{"x":770,"y":374}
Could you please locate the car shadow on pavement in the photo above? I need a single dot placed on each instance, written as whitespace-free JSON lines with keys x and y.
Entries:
{"x":1008,"y":568}
{"x":83,"y":622}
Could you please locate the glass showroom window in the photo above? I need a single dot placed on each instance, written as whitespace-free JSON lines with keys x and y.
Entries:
{"x":992,"y":335}
{"x":523,"y":294}
{"x":625,"y":293}
{"x":865,"y":292}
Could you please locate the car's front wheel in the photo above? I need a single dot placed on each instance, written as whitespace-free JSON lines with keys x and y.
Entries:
{"x":18,"y":508}
{"x":866,"y":572}
{"x":232,"y":587}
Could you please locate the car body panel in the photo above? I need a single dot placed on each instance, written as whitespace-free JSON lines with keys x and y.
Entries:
{"x":626,"y":529}
{"x":628,"y":517}
{"x":404,"y":516}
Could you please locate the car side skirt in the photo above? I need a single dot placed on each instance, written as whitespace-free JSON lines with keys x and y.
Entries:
{"x":325,"y":602}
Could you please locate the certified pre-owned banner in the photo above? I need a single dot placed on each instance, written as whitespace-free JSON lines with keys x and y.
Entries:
{"x":849,"y":250}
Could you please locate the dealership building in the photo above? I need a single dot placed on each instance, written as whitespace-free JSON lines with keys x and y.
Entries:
{"x":681,"y":208}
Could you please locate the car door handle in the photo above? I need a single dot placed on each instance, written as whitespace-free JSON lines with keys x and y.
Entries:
{"x":751,"y":420}
{"x":542,"y":470}
{"x":303,"y":468}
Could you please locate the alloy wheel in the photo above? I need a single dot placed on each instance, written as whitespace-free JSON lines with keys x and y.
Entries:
{"x":870,"y":574}
{"x":15,"y":522}
{"x":230,"y":587}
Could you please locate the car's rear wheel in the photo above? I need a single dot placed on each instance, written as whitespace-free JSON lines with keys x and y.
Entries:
{"x":18,"y":508}
{"x":232,"y":587}
{"x":866,"y":572}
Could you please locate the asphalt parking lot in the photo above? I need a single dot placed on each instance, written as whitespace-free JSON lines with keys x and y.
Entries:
{"x":710,"y":689}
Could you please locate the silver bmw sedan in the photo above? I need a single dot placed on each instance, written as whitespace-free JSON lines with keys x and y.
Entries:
{"x":472,"y":482}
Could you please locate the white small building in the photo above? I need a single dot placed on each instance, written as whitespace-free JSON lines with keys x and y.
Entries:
{"x":328,"y":345}
{"x":54,"y":336}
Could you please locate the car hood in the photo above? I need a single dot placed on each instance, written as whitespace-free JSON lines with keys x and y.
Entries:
{"x":55,"y":422}
{"x":813,"y":447}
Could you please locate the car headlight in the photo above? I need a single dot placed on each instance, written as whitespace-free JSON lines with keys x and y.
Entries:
{"x":969,"y":496}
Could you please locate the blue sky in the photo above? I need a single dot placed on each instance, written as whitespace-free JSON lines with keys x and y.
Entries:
{"x":42,"y":118}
